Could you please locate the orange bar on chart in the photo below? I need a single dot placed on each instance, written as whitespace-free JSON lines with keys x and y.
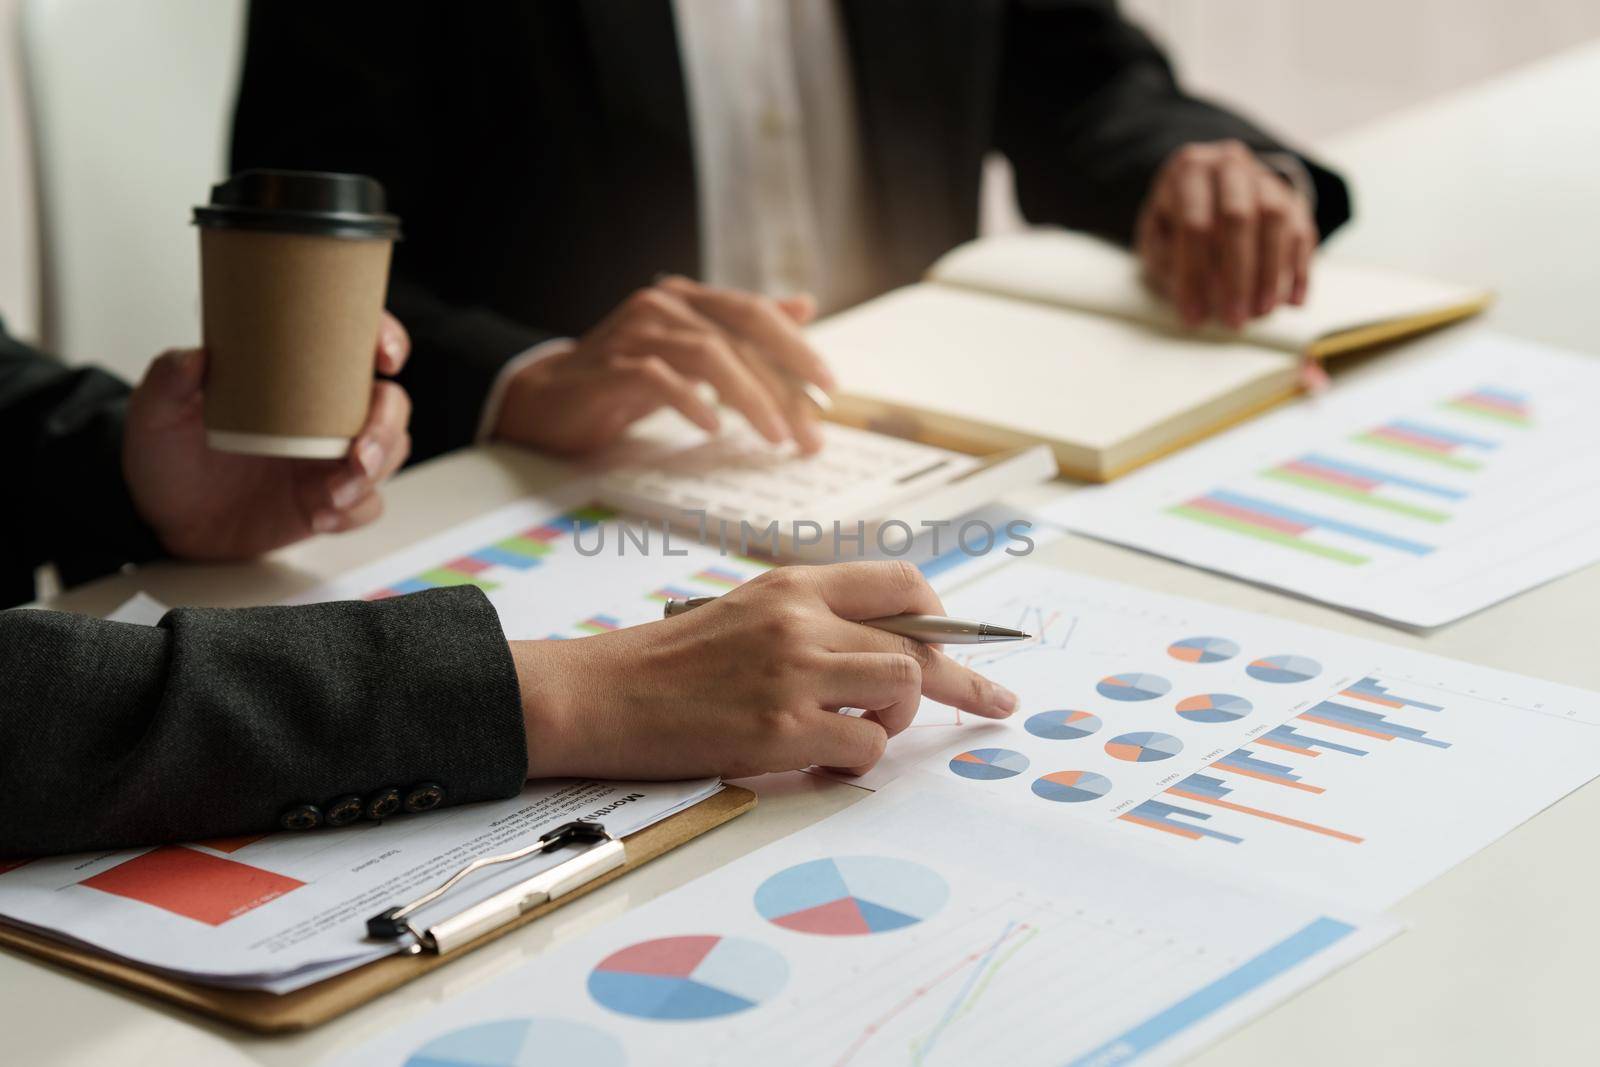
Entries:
{"x":193,"y":884}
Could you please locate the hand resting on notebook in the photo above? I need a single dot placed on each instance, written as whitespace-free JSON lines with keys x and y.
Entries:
{"x":1224,"y":236}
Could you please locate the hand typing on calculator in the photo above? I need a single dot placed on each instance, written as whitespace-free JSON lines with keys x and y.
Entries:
{"x":653,"y":351}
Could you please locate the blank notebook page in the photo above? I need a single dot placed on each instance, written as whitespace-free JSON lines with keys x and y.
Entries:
{"x":1047,"y":372}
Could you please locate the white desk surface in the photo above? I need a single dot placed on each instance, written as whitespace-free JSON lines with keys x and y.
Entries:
{"x":1493,"y":184}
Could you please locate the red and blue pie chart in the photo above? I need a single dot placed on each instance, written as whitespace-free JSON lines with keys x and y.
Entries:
{"x":1071,"y":787}
{"x":1062,"y":725}
{"x":989,"y":764}
{"x":694,"y":977}
{"x":1284,"y":670}
{"x":1143,"y":747}
{"x":1133,"y":687}
{"x":1214,"y":707}
{"x":849,"y":896}
{"x":1203,"y":649}
{"x":520,"y":1043}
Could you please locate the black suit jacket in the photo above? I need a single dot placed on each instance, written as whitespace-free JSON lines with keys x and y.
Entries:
{"x":540,"y":153}
{"x":61,"y":439}
{"x":215,"y":722}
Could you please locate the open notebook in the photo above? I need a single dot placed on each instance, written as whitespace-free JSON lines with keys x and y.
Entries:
{"x":1050,"y":336}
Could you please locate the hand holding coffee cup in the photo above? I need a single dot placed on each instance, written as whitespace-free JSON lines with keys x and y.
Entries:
{"x":294,"y":267}
{"x":205,"y":504}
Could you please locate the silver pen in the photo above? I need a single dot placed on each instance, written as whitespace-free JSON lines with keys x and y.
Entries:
{"x":932,"y":629}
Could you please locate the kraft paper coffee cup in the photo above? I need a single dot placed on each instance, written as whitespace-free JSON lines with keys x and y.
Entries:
{"x":293,"y":270}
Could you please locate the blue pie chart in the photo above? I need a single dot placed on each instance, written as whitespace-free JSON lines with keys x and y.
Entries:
{"x":1133,"y":687}
{"x":1203,"y":649}
{"x":1214,"y":707}
{"x":1062,"y":725}
{"x":1284,"y":670}
{"x":846,"y":896}
{"x":695,"y":977}
{"x":989,"y":764}
{"x":1071,"y":787}
{"x":1143,"y":747}
{"x":520,"y":1043}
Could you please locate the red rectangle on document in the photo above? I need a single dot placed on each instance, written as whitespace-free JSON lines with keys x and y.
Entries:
{"x":198,"y":886}
{"x":231,"y":844}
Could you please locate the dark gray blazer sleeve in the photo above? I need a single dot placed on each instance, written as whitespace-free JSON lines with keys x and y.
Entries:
{"x":61,"y":439}
{"x":218,"y":722}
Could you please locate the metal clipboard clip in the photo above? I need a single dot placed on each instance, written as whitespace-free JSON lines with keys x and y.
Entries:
{"x":604,"y":854}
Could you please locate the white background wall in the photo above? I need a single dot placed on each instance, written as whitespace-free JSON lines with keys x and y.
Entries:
{"x":1306,"y":67}
{"x":19,"y":295}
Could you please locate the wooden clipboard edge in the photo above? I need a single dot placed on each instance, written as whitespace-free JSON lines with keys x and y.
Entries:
{"x":269,"y":1013}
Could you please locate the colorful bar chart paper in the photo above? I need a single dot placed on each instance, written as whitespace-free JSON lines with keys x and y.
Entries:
{"x":1213,"y":791}
{"x":675,"y":592}
{"x":1505,"y":406}
{"x":727,"y":579}
{"x":1289,"y":738}
{"x":519,"y":552}
{"x":1367,"y":486}
{"x":1429,"y":442}
{"x":1159,"y":815}
{"x":1348,"y":714}
{"x":1365,"y":709}
{"x":1304,"y":531}
{"x":1243,"y":761}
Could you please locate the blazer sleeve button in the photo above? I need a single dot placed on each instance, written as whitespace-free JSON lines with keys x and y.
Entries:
{"x":424,"y":797}
{"x":301,"y":817}
{"x":344,"y":811}
{"x":383,"y":803}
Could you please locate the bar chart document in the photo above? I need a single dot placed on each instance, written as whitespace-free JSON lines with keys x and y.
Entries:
{"x":918,"y":929}
{"x":1419,"y":493}
{"x":1329,"y":764}
{"x":556,"y":569}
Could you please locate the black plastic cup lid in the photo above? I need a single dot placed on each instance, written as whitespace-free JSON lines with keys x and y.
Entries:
{"x":300,"y":201}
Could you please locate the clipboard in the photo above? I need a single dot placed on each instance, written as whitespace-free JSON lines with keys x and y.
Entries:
{"x":270,"y":1013}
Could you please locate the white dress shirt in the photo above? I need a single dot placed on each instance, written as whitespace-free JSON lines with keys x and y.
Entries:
{"x":777,"y":159}
{"x":777,"y":162}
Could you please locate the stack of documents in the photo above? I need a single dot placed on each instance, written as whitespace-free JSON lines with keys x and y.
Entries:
{"x":281,"y":911}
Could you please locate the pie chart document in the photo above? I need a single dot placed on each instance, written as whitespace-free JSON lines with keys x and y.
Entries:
{"x":1340,"y":767}
{"x":921,"y":927}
